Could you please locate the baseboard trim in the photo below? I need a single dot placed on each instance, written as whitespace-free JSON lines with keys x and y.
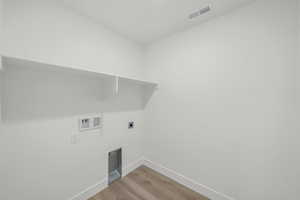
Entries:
{"x":132,"y":166}
{"x":188,"y":182}
{"x":102,"y":184}
{"x":91,"y":191}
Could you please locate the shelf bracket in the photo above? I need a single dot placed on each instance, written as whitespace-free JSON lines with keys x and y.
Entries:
{"x":1,"y":66}
{"x":116,"y":85}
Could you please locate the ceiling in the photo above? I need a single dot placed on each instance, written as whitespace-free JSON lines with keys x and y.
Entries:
{"x":145,"y":21}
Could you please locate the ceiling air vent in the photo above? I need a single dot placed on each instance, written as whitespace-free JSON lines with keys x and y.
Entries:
{"x":200,"y":12}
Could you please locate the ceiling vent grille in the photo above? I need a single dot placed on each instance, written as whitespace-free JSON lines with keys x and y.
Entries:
{"x":200,"y":12}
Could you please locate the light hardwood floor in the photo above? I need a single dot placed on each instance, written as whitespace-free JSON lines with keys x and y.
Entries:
{"x":146,"y":184}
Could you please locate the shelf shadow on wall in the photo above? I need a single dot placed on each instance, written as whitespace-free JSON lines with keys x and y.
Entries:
{"x":33,"y":91}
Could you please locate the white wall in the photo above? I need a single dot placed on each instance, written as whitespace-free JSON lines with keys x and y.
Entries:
{"x":1,"y":33}
{"x":35,"y":29}
{"x":224,"y":112}
{"x":296,"y":137}
{"x":38,"y":160}
{"x":1,"y":29}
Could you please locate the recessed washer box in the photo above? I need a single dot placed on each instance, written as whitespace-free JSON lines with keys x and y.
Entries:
{"x":90,"y":123}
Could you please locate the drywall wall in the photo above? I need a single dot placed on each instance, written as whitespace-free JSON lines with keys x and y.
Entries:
{"x":224,"y":113}
{"x":1,"y":29}
{"x":34,"y":29}
{"x":38,"y":160}
{"x":296,"y":137}
{"x":227,"y":90}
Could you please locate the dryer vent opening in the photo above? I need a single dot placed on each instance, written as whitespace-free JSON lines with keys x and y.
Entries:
{"x":114,"y":165}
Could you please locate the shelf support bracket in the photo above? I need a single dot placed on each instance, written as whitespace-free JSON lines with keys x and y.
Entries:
{"x":1,"y":66}
{"x":116,"y":85}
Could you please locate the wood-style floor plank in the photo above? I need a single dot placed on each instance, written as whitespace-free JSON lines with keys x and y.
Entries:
{"x":146,"y":184}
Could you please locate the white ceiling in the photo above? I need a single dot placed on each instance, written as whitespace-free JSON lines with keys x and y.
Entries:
{"x":145,"y":21}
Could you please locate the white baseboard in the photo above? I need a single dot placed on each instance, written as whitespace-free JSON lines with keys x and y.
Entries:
{"x":188,"y":182}
{"x":91,"y":191}
{"x":102,"y":184}
{"x":132,"y":166}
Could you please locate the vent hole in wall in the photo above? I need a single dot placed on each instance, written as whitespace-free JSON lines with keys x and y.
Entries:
{"x":114,"y":165}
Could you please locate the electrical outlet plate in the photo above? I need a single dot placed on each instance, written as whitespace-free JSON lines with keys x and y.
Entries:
{"x":131,"y":125}
{"x":90,"y":123}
